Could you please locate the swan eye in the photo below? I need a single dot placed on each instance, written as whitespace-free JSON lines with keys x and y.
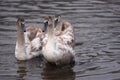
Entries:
{"x":45,"y":23}
{"x":55,"y":21}
{"x":57,"y":17}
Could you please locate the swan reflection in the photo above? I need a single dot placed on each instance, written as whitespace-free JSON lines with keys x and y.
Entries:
{"x":51,"y":72}
{"x":21,"y":70}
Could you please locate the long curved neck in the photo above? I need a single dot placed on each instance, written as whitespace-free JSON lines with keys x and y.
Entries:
{"x":20,"y":36}
{"x":50,"y":32}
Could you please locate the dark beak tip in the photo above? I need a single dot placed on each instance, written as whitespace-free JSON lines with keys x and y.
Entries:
{"x":24,"y":30}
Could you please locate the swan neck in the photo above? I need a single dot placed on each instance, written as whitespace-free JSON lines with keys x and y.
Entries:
{"x":20,"y":35}
{"x":50,"y":32}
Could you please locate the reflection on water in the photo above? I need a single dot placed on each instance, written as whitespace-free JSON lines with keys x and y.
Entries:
{"x":57,"y":73}
{"x":48,"y":72}
{"x":97,"y":33}
{"x":21,"y":70}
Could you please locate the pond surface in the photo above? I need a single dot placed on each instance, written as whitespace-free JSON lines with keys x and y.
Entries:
{"x":97,"y":32}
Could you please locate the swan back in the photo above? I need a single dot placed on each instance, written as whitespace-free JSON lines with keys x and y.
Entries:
{"x":64,"y":28}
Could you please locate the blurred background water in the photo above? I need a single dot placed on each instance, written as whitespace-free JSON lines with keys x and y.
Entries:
{"x":97,"y":32}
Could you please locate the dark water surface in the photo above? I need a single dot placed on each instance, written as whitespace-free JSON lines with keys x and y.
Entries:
{"x":97,"y":32}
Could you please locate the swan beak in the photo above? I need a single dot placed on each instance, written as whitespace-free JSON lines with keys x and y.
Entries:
{"x":23,"y":26}
{"x":45,"y":25}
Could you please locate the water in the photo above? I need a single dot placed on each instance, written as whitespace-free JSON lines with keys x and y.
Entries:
{"x":97,"y":32}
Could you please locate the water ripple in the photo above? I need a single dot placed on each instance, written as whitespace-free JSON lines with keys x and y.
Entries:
{"x":97,"y":37}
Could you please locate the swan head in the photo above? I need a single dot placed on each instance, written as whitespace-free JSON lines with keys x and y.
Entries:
{"x":57,"y":19}
{"x":47,"y":22}
{"x":21,"y":23}
{"x":50,"y":21}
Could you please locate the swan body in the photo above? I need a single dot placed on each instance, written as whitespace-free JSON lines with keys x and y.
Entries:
{"x":28,"y":44}
{"x":56,"y":48}
{"x":65,"y":29}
